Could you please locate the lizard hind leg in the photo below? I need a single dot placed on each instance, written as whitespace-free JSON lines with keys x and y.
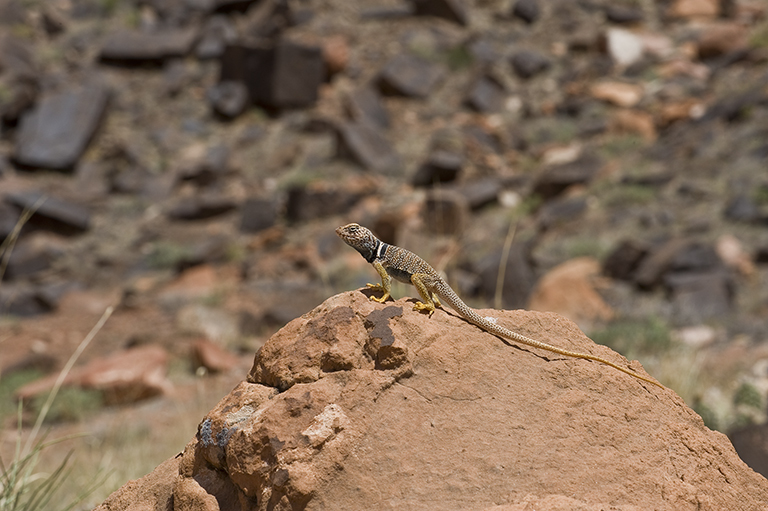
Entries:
{"x":428,"y":304}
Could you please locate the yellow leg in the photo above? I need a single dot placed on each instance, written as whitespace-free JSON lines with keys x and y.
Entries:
{"x":427,"y":304}
{"x":386,"y":283}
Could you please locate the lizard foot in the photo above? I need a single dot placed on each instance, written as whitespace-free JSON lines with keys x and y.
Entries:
{"x":421,"y":306}
{"x":378,"y":287}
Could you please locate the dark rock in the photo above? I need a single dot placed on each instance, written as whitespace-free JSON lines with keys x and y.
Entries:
{"x":562,"y":209}
{"x":54,"y":22}
{"x":480,"y":192}
{"x":529,"y":63}
{"x":554,"y":180}
{"x":519,"y":277}
{"x":52,"y":213}
{"x":742,"y":208}
{"x":441,"y":167}
{"x":134,"y":47}
{"x":21,"y":300}
{"x":277,"y":75}
{"x":445,"y":212}
{"x":258,"y":214}
{"x":217,"y":33}
{"x":623,"y":14}
{"x":751,"y":443}
{"x":407,"y":75}
{"x":695,"y":256}
{"x":622,"y":262}
{"x":32,"y":255}
{"x":228,"y":98}
{"x":56,"y":132}
{"x":368,"y":146}
{"x":227,"y":6}
{"x":699,"y":296}
{"x":200,"y":207}
{"x":676,"y":256}
{"x":9,"y":216}
{"x":364,"y":105}
{"x":476,"y":136}
{"x":527,"y":10}
{"x":393,"y":12}
{"x":306,"y":203}
{"x":452,"y":10}
{"x":483,"y":51}
{"x":486,"y":95}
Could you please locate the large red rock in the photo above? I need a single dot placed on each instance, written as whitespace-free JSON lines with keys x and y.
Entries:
{"x":359,"y":405}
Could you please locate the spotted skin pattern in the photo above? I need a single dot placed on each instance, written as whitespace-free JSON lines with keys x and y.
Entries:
{"x":403,"y":265}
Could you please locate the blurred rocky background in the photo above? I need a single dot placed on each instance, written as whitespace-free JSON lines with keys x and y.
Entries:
{"x":188,"y":160}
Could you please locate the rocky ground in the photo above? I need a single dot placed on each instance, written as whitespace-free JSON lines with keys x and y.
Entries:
{"x":187,"y":161}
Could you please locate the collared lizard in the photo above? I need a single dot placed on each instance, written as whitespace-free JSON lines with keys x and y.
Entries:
{"x":403,"y":265}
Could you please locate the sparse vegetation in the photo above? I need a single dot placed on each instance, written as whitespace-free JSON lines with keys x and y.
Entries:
{"x":635,"y":337}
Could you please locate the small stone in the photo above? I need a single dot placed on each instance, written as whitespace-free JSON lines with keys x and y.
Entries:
{"x":635,"y":121}
{"x":52,"y":213}
{"x":365,"y":105}
{"x":624,"y":47}
{"x":527,"y":10}
{"x":623,"y":14}
{"x":307,"y":202}
{"x":696,"y":337}
{"x":554,"y":180}
{"x":619,"y":93}
{"x":721,"y":39}
{"x":561,"y":210}
{"x":200,"y":207}
{"x":694,"y":9}
{"x":411,"y":76}
{"x":486,"y":95}
{"x":731,"y":252}
{"x":528,"y":63}
{"x":622,"y":262}
{"x":336,"y":53}
{"x":217,"y":33}
{"x":452,"y":10}
{"x":134,"y":47}
{"x":228,"y":98}
{"x":212,"y":357}
{"x":57,"y":131}
{"x":441,"y":167}
{"x":258,"y":214}
{"x":480,"y":192}
{"x":367,"y":145}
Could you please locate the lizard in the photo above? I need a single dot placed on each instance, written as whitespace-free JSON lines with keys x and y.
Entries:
{"x":391,"y":261}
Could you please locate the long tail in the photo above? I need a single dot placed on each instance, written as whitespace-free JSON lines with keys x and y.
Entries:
{"x":473,"y":317}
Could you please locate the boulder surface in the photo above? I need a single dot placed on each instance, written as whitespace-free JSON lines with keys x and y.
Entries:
{"x":359,"y":405}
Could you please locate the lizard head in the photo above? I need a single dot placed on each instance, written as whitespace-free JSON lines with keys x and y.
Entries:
{"x":359,"y":238}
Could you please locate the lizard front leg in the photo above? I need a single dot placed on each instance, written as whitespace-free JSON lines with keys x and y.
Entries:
{"x":386,"y":283}
{"x":428,"y":304}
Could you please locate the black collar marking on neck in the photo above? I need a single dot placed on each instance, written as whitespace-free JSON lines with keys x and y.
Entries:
{"x":378,"y":252}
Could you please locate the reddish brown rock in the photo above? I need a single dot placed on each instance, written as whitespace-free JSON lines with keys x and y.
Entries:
{"x":722,"y":38}
{"x":124,"y":377}
{"x":569,"y":289}
{"x":456,"y":419}
{"x":213,"y":357}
